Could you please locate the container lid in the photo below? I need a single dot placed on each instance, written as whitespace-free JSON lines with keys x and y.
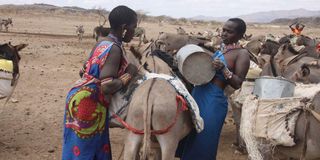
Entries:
{"x":277,"y":78}
{"x":195,"y":64}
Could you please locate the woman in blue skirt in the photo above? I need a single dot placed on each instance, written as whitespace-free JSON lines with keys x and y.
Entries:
{"x":231,"y":63}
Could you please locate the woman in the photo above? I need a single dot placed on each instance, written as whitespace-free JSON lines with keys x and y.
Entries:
{"x":297,"y":29}
{"x":86,"y":134}
{"x":232,"y":64}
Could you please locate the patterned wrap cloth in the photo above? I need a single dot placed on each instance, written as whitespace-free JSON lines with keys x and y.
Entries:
{"x":86,"y":127}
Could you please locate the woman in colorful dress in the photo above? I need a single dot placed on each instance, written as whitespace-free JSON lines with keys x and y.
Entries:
{"x":86,"y":129}
{"x":231,"y":64}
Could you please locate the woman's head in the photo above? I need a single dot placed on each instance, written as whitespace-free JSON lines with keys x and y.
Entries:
{"x":233,"y":30}
{"x":123,"y":19}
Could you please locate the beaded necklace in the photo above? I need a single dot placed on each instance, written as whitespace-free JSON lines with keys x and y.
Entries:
{"x":110,"y":35}
{"x":226,"y":48}
{"x":124,"y":54}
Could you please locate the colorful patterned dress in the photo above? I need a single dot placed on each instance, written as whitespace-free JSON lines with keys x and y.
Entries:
{"x":213,"y":108}
{"x":86,"y":128}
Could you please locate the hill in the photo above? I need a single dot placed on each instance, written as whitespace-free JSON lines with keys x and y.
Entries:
{"x":308,"y":21}
{"x":266,"y":17}
{"x":41,"y":9}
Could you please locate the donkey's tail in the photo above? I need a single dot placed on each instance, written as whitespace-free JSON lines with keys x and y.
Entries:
{"x":147,"y":118}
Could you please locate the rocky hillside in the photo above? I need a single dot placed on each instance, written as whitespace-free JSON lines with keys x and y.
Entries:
{"x":266,"y":17}
{"x":48,"y":10}
{"x":309,"y":21}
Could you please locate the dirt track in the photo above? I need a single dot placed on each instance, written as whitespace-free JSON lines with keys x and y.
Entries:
{"x":48,"y":35}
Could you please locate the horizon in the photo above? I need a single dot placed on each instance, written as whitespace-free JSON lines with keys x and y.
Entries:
{"x":158,"y":8}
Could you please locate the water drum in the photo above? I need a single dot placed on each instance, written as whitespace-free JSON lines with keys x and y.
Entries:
{"x":273,"y":87}
{"x":195,"y":64}
{"x":6,"y":69}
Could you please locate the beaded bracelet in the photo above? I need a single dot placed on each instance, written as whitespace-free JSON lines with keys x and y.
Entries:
{"x":125,"y":78}
{"x":227,"y":73}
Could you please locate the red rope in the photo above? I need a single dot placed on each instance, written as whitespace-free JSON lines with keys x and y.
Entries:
{"x":184,"y":107}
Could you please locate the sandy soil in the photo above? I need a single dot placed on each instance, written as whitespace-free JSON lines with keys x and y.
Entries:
{"x":31,"y":129}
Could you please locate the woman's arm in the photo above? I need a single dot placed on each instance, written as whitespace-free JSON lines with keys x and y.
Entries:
{"x":109,"y":72}
{"x":292,"y":25}
{"x":241,"y":68}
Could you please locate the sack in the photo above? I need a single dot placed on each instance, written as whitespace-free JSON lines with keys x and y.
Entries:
{"x":5,"y":84}
{"x":276,"y":120}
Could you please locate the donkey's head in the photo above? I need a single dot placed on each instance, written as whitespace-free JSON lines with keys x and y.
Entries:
{"x":10,"y":52}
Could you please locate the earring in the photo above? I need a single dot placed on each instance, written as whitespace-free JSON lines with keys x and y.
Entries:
{"x":124,"y":33}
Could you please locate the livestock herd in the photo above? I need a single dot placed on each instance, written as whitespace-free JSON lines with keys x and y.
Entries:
{"x":296,"y":58}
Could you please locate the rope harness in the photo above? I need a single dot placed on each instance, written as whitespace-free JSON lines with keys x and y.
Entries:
{"x":183,"y":107}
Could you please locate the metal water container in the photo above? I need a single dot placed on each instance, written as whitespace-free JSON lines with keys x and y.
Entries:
{"x":195,"y":64}
{"x":273,"y":87}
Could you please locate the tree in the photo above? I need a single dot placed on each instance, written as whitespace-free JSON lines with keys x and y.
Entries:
{"x":141,"y":15}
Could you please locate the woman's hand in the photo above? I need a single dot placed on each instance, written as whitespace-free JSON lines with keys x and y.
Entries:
{"x":217,"y":64}
{"x":132,"y":69}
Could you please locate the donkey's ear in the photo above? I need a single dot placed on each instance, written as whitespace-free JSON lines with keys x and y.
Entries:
{"x":304,"y":70}
{"x":262,"y":61}
{"x":248,"y":36}
{"x":283,"y":47}
{"x":20,"y":46}
{"x":135,"y":52}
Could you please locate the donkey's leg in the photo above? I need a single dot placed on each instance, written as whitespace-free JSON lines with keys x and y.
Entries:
{"x":131,"y":146}
{"x":240,"y":146}
{"x":169,"y":143}
{"x":140,"y":40}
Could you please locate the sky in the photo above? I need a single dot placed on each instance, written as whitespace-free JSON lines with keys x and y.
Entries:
{"x":185,"y":8}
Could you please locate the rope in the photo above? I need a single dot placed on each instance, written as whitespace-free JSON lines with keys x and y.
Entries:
{"x":183,"y":107}
{"x":309,"y":107}
{"x":305,"y":142}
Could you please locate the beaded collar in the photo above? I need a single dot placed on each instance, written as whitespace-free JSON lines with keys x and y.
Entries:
{"x":226,"y":48}
{"x":318,"y":48}
{"x":110,"y":35}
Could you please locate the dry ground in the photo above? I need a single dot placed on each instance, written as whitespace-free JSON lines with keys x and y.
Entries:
{"x":31,"y":129}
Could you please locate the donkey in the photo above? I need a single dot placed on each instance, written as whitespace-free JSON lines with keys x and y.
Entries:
{"x":296,"y":66}
{"x":299,"y":67}
{"x":181,"y":31}
{"x":307,"y":135}
{"x":140,"y":32}
{"x":306,"y":41}
{"x":154,"y":106}
{"x":80,"y":32}
{"x":6,"y":23}
{"x":101,"y":31}
{"x":10,"y":52}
